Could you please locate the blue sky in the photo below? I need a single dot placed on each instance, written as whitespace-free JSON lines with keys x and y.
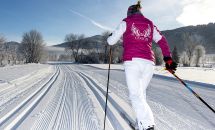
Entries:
{"x":56,"y":18}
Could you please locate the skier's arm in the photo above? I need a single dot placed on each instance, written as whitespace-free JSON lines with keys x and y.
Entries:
{"x":116,"y":34}
{"x":162,"y":42}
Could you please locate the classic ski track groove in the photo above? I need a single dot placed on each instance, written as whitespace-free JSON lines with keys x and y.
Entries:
{"x":96,"y":89}
{"x":77,"y":110}
{"x":112,"y":101}
{"x":81,"y":107}
{"x":110,"y":114}
{"x":12,"y":93}
{"x":68,"y":114}
{"x":39,"y":94}
{"x":52,"y":109}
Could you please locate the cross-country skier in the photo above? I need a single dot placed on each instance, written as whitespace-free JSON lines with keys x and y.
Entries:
{"x":138,"y":33}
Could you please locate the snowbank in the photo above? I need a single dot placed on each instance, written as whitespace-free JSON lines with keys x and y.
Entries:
{"x":203,"y":75}
{"x":10,"y":73}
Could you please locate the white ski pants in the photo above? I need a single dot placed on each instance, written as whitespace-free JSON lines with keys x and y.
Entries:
{"x":138,"y":75}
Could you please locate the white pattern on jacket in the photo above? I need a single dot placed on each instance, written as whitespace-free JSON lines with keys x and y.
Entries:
{"x":116,"y":35}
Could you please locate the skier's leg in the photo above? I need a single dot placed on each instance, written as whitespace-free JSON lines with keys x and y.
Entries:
{"x":145,"y":119}
{"x":136,"y":94}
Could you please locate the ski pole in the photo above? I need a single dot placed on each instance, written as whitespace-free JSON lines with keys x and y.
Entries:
{"x":191,"y":90}
{"x":110,"y":55}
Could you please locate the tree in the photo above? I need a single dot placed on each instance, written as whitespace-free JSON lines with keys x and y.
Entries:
{"x":158,"y":56}
{"x":32,"y":46}
{"x":199,"y":53}
{"x":175,"y":55}
{"x":70,"y":37}
{"x":184,"y":59}
{"x":2,"y":40}
{"x":189,"y":47}
{"x":104,"y":54}
{"x":75,"y":44}
{"x":117,"y":51}
{"x":2,"y":54}
{"x":191,"y":41}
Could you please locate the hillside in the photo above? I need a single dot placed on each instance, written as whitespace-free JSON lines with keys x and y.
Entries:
{"x":91,"y":42}
{"x":202,"y":34}
{"x":11,"y":44}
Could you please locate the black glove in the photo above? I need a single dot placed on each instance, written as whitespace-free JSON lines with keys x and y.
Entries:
{"x":170,"y":64}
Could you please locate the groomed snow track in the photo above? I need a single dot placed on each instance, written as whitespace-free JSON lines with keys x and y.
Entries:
{"x":71,"y":98}
{"x":14,"y":117}
{"x":113,"y":119}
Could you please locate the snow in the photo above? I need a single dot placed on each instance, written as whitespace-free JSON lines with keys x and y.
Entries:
{"x":173,"y":105}
{"x":197,"y":74}
{"x":21,"y":80}
{"x":69,"y":96}
{"x":10,"y":73}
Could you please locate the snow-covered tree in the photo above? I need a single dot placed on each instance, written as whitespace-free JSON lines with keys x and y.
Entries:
{"x":199,"y":52}
{"x":184,"y":59}
{"x":32,"y":46}
{"x":190,"y":43}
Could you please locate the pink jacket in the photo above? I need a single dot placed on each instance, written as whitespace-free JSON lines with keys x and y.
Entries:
{"x":138,"y":33}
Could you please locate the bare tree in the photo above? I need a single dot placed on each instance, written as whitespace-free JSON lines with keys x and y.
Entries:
{"x":32,"y":46}
{"x":70,"y":37}
{"x":75,"y":44}
{"x":2,"y":40}
{"x":192,"y":41}
{"x":199,"y":52}
{"x":175,"y":55}
{"x":158,"y":56}
{"x":2,"y":54}
{"x":189,"y":47}
{"x":184,"y":59}
{"x":11,"y":52}
{"x":117,"y":52}
{"x":104,"y":54}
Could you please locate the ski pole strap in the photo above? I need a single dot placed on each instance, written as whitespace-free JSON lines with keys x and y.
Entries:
{"x":191,"y":90}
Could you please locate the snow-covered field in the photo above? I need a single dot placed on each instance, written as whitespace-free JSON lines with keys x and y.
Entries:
{"x":72,"y":97}
{"x":10,"y":73}
{"x":203,"y":75}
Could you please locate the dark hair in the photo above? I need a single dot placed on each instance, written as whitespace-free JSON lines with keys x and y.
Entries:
{"x":138,"y":5}
{"x":134,"y":8}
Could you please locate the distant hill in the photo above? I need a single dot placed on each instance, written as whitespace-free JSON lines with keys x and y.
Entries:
{"x":92,"y":42}
{"x":11,"y":45}
{"x":205,"y":34}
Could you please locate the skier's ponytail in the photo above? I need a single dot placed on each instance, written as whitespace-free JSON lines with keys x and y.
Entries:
{"x":138,"y":5}
{"x":133,"y":9}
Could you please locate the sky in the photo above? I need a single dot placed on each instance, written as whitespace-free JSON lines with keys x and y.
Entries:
{"x":56,"y":18}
